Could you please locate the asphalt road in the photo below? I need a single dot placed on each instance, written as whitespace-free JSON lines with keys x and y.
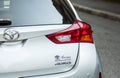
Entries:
{"x":107,"y":39}
{"x":99,"y":4}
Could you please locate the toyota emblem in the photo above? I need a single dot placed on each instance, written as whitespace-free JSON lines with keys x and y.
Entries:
{"x":10,"y":35}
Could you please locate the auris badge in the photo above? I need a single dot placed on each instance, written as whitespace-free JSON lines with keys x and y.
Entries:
{"x":10,"y":35}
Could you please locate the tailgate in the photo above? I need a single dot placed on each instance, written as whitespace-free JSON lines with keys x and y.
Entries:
{"x":34,"y":54}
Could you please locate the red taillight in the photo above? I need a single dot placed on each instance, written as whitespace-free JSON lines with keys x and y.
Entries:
{"x":78,"y":32}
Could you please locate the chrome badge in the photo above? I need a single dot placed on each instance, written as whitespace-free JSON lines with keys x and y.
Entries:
{"x":10,"y":35}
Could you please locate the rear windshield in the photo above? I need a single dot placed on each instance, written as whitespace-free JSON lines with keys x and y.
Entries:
{"x":35,"y":12}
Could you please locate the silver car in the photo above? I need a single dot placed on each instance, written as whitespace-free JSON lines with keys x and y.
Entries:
{"x":45,"y":39}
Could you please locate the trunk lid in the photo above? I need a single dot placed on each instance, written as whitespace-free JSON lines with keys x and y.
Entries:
{"x":33,"y":53}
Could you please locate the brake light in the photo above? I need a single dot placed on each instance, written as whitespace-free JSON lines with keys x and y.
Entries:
{"x":78,"y":32}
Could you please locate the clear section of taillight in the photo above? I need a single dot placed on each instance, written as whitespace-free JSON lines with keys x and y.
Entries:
{"x":78,"y":32}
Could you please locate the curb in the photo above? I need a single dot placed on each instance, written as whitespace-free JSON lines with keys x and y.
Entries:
{"x":105,"y":14}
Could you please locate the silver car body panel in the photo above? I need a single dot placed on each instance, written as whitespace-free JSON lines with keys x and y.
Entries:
{"x":34,"y":31}
{"x":83,"y":68}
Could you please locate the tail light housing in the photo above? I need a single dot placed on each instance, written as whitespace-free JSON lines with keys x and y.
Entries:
{"x":78,"y":32}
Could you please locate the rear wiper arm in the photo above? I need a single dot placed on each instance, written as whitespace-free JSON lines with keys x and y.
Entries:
{"x":4,"y":22}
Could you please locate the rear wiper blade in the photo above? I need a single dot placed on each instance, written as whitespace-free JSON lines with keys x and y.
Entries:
{"x":4,"y":22}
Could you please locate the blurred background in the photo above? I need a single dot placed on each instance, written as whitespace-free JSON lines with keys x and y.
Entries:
{"x":113,"y":1}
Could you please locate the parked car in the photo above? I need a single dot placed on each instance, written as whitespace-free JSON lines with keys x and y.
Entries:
{"x":45,"y":39}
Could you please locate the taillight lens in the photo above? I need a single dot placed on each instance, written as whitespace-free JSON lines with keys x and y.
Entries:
{"x":78,"y":32}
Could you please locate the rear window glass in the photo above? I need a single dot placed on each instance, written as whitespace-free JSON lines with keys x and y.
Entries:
{"x":35,"y":12}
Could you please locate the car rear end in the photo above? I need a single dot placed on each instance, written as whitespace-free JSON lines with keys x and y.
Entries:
{"x":45,"y":39}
